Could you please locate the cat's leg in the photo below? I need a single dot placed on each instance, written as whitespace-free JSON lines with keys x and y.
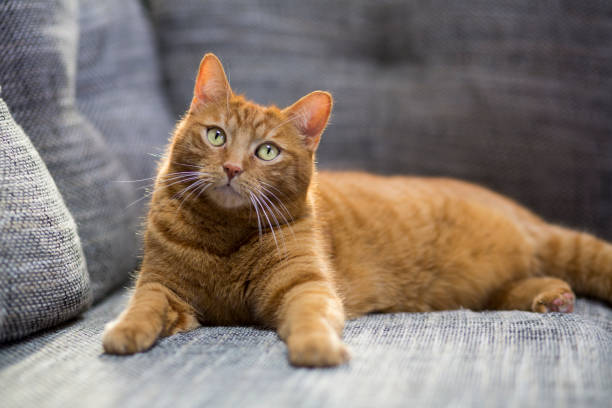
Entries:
{"x":153,"y":311}
{"x":536,"y":294}
{"x":311,"y":323}
{"x":309,"y":317}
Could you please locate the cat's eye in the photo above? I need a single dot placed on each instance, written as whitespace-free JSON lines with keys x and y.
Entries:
{"x":215,"y":136}
{"x":267,"y":151}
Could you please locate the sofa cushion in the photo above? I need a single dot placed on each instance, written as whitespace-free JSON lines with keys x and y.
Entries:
{"x":456,"y":358}
{"x":513,"y":95}
{"x":38,"y":44}
{"x":118,"y":84}
{"x":43,"y":277}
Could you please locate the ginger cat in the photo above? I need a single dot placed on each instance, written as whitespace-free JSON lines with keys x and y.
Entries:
{"x":243,"y":230}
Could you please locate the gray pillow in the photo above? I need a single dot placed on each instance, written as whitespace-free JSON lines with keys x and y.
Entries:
{"x":119,"y":86}
{"x":43,"y":277}
{"x":38,"y":45}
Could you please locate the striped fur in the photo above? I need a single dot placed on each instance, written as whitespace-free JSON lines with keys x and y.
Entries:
{"x":285,"y":247}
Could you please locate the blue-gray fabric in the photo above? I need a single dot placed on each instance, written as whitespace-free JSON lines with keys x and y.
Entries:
{"x":456,"y":358}
{"x":119,"y":85}
{"x":81,"y":79}
{"x":43,"y":276}
{"x":515,"y":95}
{"x":37,"y":75}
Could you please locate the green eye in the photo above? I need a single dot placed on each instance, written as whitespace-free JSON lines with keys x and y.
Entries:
{"x":267,"y":151}
{"x":215,"y":136}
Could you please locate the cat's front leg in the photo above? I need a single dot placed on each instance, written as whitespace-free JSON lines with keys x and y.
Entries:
{"x":153,"y":311}
{"x":310,"y":319}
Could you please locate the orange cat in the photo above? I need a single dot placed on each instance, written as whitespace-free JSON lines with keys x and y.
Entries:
{"x":243,"y":230}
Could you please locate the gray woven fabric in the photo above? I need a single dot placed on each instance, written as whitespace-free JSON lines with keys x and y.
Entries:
{"x":38,"y":45}
{"x":515,"y":95}
{"x":457,"y":358}
{"x":119,"y":84}
{"x":43,"y":277}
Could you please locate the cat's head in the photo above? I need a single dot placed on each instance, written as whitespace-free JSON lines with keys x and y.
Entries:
{"x":236,"y":153}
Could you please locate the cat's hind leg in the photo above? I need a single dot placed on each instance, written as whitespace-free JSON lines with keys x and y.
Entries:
{"x":153,"y":311}
{"x":535,"y":294}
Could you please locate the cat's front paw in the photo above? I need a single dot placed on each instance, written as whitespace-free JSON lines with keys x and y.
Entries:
{"x":127,"y":338}
{"x":317,"y":350}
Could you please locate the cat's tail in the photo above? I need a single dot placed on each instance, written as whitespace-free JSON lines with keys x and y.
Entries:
{"x":582,"y":260}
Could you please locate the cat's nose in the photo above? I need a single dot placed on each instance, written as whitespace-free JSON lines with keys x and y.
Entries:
{"x":231,"y":170}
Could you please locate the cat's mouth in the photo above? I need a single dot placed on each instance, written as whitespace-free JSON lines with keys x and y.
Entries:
{"x":227,"y":189}
{"x":227,"y":196}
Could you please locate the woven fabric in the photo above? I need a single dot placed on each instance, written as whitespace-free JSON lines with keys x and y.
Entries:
{"x":119,"y":85}
{"x":515,"y":95}
{"x":456,"y":358}
{"x":43,"y":277}
{"x":38,"y":45}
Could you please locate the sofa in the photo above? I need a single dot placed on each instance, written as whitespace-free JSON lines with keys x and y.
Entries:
{"x":516,"y":96}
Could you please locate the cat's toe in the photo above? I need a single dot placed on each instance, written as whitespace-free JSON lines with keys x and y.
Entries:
{"x":317,"y":350}
{"x":121,"y":338}
{"x":556,"y":301}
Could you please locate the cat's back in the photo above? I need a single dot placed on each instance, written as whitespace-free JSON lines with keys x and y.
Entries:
{"x":392,"y":237}
{"x":358,"y":192}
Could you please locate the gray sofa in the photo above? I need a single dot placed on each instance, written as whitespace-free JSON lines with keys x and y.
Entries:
{"x":516,"y":96}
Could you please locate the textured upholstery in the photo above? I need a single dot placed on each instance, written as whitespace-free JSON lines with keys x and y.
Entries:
{"x":43,"y":277}
{"x":82,"y":79}
{"x":119,"y":86}
{"x":515,"y":95}
{"x":457,"y":358}
{"x":38,"y":44}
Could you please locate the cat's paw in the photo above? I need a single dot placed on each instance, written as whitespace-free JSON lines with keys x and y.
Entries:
{"x":558,"y":300}
{"x":317,"y":350}
{"x":127,"y":338}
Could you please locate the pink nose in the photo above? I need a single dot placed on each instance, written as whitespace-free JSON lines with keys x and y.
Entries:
{"x":231,"y":170}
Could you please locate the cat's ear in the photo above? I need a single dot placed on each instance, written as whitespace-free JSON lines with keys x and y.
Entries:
{"x":211,"y":84}
{"x":311,"y":114}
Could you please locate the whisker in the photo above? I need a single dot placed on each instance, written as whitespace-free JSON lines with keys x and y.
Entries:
{"x":274,"y":187}
{"x":269,"y":223}
{"x":202,"y":189}
{"x":275,"y":219}
{"x":258,"y":217}
{"x":173,"y":181}
{"x":152,"y":178}
{"x":189,"y":187}
{"x":274,"y":208}
{"x":182,"y":180}
{"x":175,"y":176}
{"x":196,"y":186}
{"x":134,"y":181}
{"x":280,"y":202}
{"x":161,"y":156}
{"x":283,"y":206}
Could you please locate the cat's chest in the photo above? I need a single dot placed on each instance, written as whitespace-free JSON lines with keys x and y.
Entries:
{"x":217,"y":287}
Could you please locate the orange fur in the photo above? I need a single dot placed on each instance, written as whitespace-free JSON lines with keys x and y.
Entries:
{"x":278,"y":244}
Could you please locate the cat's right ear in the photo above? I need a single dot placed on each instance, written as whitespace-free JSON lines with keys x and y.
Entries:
{"x":211,"y":84}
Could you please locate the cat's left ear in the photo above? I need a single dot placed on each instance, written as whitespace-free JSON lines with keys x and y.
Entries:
{"x":211,"y":84}
{"x":311,"y":114}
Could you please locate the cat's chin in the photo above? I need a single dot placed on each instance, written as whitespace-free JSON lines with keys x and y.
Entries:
{"x":225,"y":196}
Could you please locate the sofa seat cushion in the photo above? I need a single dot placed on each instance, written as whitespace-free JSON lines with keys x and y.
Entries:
{"x":455,"y":358}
